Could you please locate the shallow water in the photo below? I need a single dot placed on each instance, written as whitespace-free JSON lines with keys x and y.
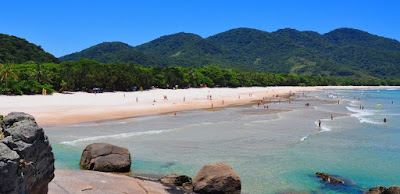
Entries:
{"x":273,"y":150}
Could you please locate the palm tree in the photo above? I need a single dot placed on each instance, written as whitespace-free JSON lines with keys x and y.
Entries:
{"x":40,"y":74}
{"x":7,"y":71}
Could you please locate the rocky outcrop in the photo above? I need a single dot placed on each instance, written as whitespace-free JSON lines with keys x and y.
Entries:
{"x":384,"y":190}
{"x":83,"y":181}
{"x":217,"y":178}
{"x":177,"y":180}
{"x":328,"y":178}
{"x":26,"y":158}
{"x":106,"y":158}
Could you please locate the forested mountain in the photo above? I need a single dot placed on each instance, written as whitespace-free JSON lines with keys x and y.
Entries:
{"x":183,"y":49}
{"x":341,"y":52}
{"x":18,"y":50}
{"x":112,"y":52}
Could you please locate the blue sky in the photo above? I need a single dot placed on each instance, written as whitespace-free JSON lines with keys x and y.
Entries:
{"x":65,"y":26}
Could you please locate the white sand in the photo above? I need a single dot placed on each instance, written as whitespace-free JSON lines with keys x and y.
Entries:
{"x":82,"y":107}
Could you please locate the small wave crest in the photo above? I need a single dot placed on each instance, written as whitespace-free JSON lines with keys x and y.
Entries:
{"x":354,"y":103}
{"x":304,"y":138}
{"x":363,"y":114}
{"x":392,"y":89}
{"x":323,"y":128}
{"x":115,"y":136}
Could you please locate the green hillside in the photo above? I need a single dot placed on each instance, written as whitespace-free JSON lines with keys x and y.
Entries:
{"x":18,"y":50}
{"x":112,"y":52}
{"x":183,"y":49}
{"x":341,"y":52}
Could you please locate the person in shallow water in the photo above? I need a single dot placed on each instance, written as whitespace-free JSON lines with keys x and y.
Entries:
{"x":331,"y":116}
{"x":384,"y":120}
{"x":319,"y":123}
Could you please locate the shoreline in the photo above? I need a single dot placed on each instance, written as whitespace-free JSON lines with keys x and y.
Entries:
{"x":80,"y":107}
{"x":243,"y":138}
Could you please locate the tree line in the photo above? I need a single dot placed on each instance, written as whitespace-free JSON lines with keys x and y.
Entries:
{"x":85,"y":74}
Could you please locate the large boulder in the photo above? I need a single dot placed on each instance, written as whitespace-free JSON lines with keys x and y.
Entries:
{"x":384,"y":190}
{"x":26,"y":158}
{"x":217,"y":178}
{"x":106,"y":158}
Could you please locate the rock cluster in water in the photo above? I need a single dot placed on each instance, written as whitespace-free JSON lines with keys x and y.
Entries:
{"x":106,"y":158}
{"x":177,"y":180}
{"x":212,"y":178}
{"x":26,"y":158}
{"x":328,"y":178}
{"x":384,"y":190}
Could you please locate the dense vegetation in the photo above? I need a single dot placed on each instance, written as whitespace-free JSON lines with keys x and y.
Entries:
{"x":342,"y":52}
{"x":238,"y":57}
{"x":113,"y":52}
{"x":86,"y":74}
{"x":17,"y":50}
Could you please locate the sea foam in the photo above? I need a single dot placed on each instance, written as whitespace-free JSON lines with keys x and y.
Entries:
{"x":324,"y":128}
{"x":115,"y":136}
{"x":363,"y":114}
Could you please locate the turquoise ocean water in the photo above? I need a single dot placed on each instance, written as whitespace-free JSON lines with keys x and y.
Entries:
{"x":273,"y":150}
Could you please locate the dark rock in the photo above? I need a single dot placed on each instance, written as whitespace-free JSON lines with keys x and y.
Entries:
{"x":176,"y":180}
{"x":376,"y":190}
{"x":328,"y":178}
{"x":15,"y":117}
{"x":169,"y":179}
{"x":182,"y":179}
{"x":106,"y":158}
{"x":384,"y":190}
{"x":217,"y":178}
{"x":188,"y":186}
{"x":26,"y":158}
{"x":393,"y":190}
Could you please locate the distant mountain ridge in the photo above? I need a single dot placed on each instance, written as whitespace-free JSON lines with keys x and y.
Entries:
{"x":18,"y":50}
{"x":341,"y":52}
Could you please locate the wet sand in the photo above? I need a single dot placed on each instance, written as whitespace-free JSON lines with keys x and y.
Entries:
{"x":85,"y":107}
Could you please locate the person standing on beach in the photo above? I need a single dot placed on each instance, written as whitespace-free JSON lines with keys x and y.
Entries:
{"x":137,"y":99}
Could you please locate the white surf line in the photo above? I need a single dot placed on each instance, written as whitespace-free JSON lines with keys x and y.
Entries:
{"x":116,"y":136}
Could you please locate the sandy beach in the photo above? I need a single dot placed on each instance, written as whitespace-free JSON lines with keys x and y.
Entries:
{"x":84,"y":107}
